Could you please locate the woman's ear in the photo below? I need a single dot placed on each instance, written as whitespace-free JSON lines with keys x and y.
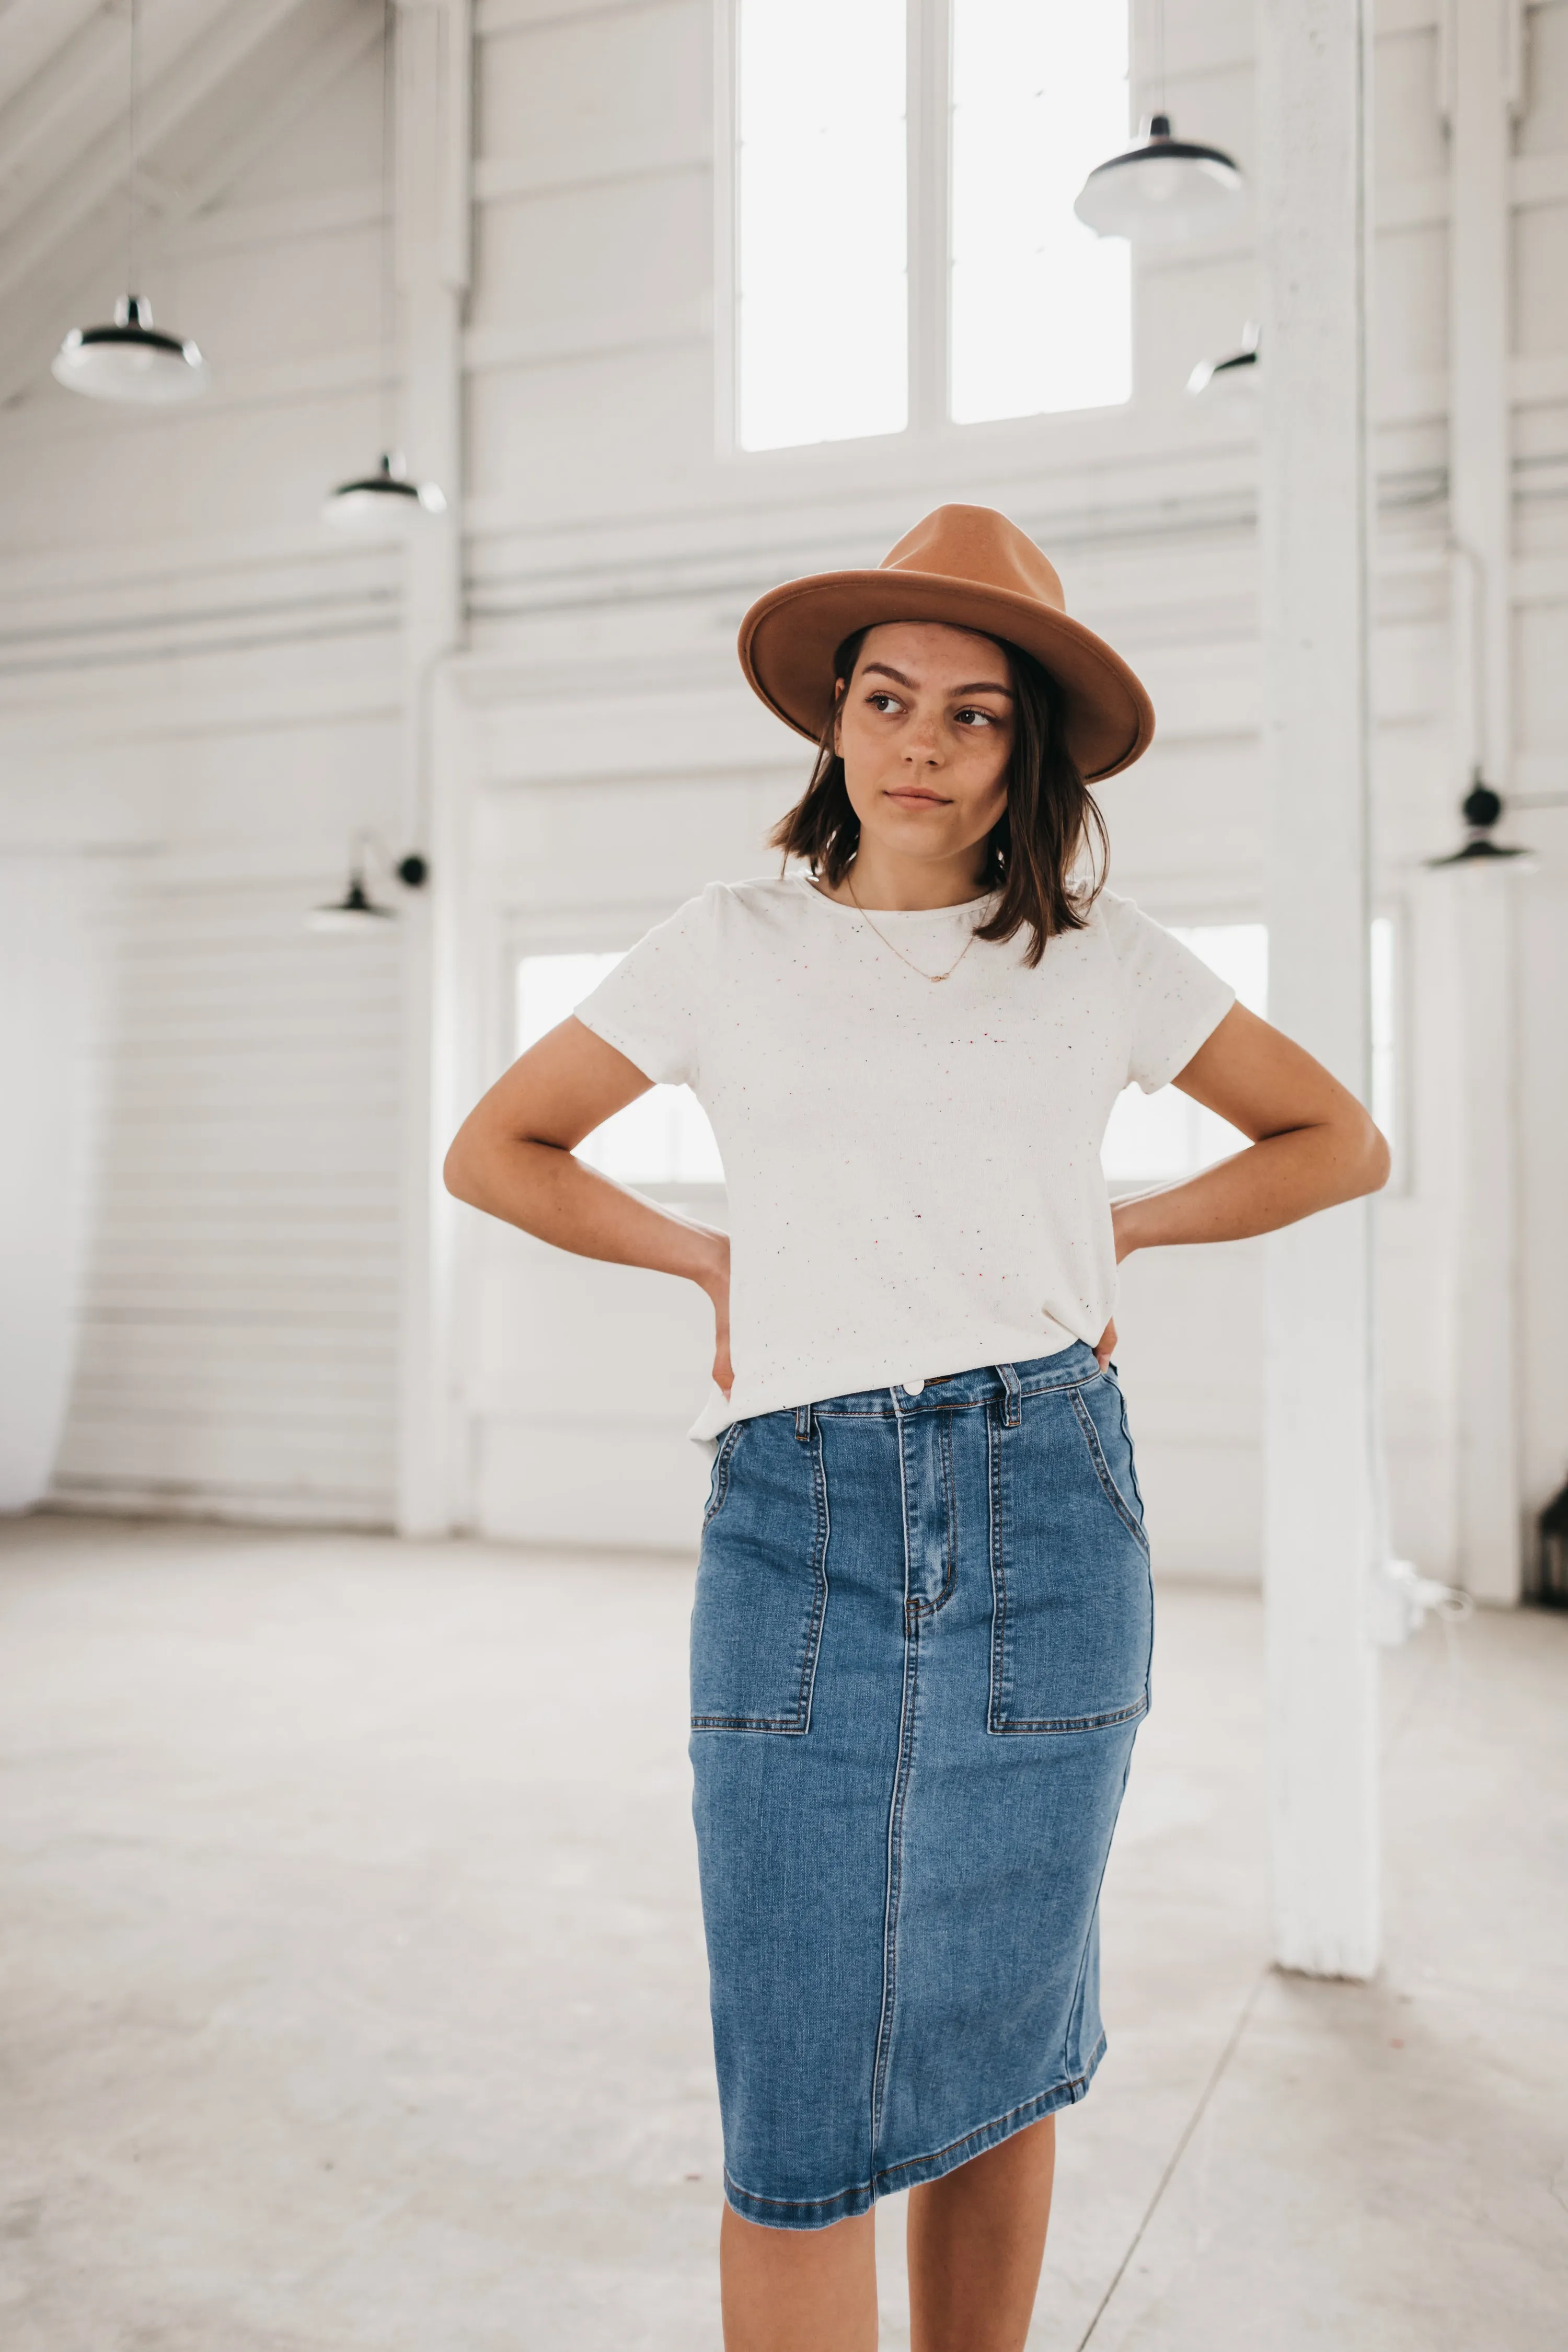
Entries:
{"x":840,"y":688}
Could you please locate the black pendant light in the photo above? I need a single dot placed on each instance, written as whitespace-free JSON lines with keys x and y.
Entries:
{"x":373,"y":502}
{"x":129,"y":360}
{"x":1480,"y":808}
{"x":383,"y":500}
{"x":1162,"y":190}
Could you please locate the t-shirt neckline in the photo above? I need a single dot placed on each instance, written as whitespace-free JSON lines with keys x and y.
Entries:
{"x":896,"y":914}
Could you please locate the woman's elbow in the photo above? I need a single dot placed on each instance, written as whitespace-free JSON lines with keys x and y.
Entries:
{"x":459,"y":1170}
{"x":1376,"y":1160}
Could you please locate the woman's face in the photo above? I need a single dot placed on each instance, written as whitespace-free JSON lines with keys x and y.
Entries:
{"x":925,"y":731}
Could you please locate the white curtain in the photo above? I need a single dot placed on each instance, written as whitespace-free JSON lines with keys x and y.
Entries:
{"x":47,"y":1002}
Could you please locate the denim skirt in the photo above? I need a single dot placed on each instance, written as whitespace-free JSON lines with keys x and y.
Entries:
{"x":919,"y":1653}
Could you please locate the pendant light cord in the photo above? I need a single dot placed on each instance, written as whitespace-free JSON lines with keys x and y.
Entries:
{"x":388,"y":218}
{"x":1160,"y":107}
{"x":132,"y":129}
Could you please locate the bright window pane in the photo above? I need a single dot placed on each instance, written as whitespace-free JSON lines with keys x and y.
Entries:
{"x":821,"y":283}
{"x":1159,"y":1138}
{"x":1384,"y":1104}
{"x":1042,"y":307}
{"x":663,"y":1137}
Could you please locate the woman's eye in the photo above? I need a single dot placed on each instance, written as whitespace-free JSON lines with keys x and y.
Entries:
{"x":882,"y":701}
{"x":986,"y":717}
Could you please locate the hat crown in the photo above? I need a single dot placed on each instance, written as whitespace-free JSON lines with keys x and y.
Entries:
{"x":976,"y":543}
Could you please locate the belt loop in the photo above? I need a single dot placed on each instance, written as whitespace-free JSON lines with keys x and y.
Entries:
{"x":803,"y":1425}
{"x":1011,"y":1409}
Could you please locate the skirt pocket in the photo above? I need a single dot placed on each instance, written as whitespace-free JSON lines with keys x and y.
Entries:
{"x":762,"y":1581}
{"x":1073,"y":1610}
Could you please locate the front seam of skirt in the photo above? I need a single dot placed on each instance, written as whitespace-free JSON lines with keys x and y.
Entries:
{"x":901,"y":1774}
{"x":818,"y":2212}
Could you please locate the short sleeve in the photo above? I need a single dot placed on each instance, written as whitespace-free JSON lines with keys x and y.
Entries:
{"x":1173,"y":1000}
{"x":650,"y":1007}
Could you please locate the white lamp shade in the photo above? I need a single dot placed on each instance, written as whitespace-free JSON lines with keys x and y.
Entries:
{"x":1162,"y":191}
{"x":129,"y":361}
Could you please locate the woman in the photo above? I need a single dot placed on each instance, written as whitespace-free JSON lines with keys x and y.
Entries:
{"x":921,"y":1634}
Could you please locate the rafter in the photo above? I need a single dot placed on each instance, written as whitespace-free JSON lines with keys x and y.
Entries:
{"x":37,"y":313}
{"x":201,"y":66}
{"x":31,"y":31}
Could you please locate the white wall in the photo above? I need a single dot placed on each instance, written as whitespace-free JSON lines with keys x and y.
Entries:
{"x":47,"y":987}
{"x":600,"y":759}
{"x":202,"y":691}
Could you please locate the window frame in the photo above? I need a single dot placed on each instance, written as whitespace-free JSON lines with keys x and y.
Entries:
{"x":928,"y":152}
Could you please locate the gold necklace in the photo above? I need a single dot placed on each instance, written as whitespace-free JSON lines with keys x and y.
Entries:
{"x":888,"y":944}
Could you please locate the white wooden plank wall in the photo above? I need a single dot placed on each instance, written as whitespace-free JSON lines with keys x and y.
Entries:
{"x":238,"y":1352}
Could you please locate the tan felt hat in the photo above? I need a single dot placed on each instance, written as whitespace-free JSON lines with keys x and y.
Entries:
{"x":972,"y":568}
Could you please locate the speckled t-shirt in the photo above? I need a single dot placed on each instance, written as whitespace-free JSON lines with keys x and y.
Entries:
{"x":913,"y":1168}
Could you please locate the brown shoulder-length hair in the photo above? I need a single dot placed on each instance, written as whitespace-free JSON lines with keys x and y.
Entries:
{"x":1034,"y":847}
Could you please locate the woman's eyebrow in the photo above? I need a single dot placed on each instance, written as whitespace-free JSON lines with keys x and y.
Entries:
{"x":976,"y":686}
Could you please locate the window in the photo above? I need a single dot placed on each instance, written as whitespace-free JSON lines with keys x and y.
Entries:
{"x":1162,"y":1137}
{"x":663,"y":1137}
{"x":1384,"y":1088}
{"x":905,"y":244}
{"x":822,"y":297}
{"x":1041,"y":307}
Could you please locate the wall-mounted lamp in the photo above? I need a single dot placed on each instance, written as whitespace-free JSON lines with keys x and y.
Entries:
{"x":1235,"y":373}
{"x":357,"y":911}
{"x":1480,"y":808}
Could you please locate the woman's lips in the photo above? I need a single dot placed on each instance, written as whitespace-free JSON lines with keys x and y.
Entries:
{"x":913,"y":793}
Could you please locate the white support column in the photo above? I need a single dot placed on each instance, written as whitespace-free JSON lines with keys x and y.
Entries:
{"x":928,"y":146}
{"x":433,"y":141}
{"x":1482,"y":56}
{"x":1321,"y":1531}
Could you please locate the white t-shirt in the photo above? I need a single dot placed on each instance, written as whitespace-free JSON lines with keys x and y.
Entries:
{"x":913,"y":1170}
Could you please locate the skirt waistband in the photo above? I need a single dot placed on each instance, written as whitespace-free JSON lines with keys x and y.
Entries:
{"x":987,"y":1384}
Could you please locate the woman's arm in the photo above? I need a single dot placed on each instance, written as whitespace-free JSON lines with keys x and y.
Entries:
{"x":513,"y":1158}
{"x":1312,"y":1144}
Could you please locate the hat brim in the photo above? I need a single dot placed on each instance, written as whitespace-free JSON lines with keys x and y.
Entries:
{"x":790,"y":636}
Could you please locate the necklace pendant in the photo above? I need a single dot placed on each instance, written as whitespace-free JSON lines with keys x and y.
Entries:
{"x":934,"y":976}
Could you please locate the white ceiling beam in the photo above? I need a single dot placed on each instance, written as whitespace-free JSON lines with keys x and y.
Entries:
{"x":33,"y":318}
{"x":66,"y":104}
{"x":352,"y":32}
{"x":200,"y":67}
{"x":30,"y":33}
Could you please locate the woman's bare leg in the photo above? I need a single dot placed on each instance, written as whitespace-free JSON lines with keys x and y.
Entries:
{"x":798,"y":2290}
{"x":976,"y":2239}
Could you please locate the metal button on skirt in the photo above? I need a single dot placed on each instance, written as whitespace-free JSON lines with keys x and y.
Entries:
{"x":920,"y":1652}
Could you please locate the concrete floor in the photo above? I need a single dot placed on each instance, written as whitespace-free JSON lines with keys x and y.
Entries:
{"x":354,"y":1995}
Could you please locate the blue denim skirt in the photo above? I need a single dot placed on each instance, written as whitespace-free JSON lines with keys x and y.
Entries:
{"x":919,"y":1653}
